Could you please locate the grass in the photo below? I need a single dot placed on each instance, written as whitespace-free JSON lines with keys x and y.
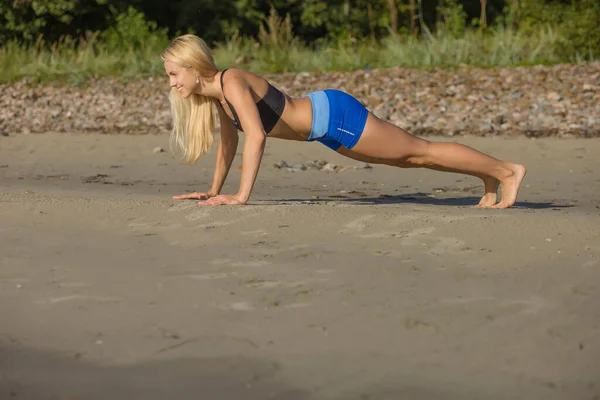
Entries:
{"x":501,"y":47}
{"x":74,"y":61}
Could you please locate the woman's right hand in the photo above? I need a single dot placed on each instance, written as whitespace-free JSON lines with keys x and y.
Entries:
{"x":195,"y":195}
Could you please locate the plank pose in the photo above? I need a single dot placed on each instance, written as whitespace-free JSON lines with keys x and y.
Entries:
{"x":248,"y":103}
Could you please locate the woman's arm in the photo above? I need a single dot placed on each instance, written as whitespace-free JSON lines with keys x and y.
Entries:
{"x":240,"y":96}
{"x":226,"y":152}
{"x":255,"y":136}
{"x":225,"y":155}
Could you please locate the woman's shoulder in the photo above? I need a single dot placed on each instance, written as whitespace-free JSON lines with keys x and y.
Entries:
{"x":241,"y":74}
{"x":244,"y":79}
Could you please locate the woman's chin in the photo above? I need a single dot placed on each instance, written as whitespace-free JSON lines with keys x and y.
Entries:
{"x":186,"y":93}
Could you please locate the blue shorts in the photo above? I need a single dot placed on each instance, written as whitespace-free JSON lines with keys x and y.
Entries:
{"x":338,"y":119}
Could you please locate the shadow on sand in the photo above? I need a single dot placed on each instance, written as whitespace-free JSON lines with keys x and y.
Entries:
{"x":40,"y":374}
{"x":419,"y":198}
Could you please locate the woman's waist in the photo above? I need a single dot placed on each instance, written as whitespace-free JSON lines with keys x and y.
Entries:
{"x":296,"y":120}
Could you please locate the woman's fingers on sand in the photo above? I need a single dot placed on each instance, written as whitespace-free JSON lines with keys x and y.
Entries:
{"x":194,"y":195}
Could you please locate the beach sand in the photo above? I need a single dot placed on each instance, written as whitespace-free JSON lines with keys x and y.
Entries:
{"x":368,"y":283}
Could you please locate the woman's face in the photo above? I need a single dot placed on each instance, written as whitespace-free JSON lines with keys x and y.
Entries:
{"x":181,"y":78}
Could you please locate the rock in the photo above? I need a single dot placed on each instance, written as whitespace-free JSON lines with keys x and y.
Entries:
{"x":299,"y":166}
{"x":362,"y":166}
{"x":431,"y":102}
{"x":553,"y":96}
{"x":158,"y":150}
{"x":500,"y":119}
{"x":4,"y":133}
{"x":516,"y":94}
{"x":487,"y":127}
{"x":320,"y":163}
{"x":281,"y":164}
{"x":329,"y":167}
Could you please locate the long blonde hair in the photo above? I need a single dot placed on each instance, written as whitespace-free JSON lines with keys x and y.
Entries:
{"x":194,"y":117}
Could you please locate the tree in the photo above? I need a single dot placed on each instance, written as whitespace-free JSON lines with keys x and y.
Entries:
{"x":483,"y":17}
{"x":413,"y":18}
{"x":393,"y":15}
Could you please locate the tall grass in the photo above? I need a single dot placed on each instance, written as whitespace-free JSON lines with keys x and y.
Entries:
{"x":74,"y":61}
{"x":499,"y":47}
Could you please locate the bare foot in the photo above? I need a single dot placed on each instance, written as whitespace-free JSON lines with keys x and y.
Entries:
{"x":491,"y":192}
{"x":511,"y":185}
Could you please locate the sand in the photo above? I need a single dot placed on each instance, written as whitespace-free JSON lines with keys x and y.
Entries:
{"x":379,"y":283}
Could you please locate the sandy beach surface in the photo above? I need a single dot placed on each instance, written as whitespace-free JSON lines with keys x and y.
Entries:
{"x":367,"y":283}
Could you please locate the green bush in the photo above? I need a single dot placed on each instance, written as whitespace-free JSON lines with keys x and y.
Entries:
{"x":580,"y":29}
{"x":453,"y":19}
{"x":132,"y":31}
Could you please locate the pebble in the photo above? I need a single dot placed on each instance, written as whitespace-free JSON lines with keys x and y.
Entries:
{"x":363,"y":166}
{"x":329,"y":167}
{"x":299,"y":166}
{"x":4,"y":133}
{"x":158,"y":150}
{"x":319,"y":165}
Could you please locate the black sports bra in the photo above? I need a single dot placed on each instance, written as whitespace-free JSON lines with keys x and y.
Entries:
{"x":269,"y":108}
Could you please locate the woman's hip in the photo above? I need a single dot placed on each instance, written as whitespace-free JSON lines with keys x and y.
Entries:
{"x":338,"y":118}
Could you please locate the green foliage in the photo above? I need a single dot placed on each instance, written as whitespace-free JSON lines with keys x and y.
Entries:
{"x":72,"y":40}
{"x":276,"y":32}
{"x":132,"y":31}
{"x":26,"y":20}
{"x":580,"y":27}
{"x":453,"y":18}
{"x":345,"y":19}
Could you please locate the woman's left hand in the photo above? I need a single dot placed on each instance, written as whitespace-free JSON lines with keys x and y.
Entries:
{"x":222,"y":200}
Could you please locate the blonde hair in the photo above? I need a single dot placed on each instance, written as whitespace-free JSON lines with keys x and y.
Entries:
{"x":194,"y":117}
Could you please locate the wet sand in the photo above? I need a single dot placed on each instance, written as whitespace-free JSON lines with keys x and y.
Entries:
{"x":378,"y":283}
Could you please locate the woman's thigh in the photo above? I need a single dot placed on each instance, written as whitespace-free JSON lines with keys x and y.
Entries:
{"x":388,"y":143}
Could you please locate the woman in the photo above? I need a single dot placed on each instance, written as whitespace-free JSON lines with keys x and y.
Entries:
{"x":248,"y":103}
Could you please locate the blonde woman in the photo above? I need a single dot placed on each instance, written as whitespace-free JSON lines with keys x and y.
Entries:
{"x":248,"y":103}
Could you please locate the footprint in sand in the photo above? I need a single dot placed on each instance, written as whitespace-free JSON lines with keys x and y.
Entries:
{"x":504,"y":308}
{"x":257,"y":263}
{"x":170,"y":280}
{"x":63,"y":299}
{"x":414,"y":238}
{"x":152,"y":228}
{"x":589,"y":264}
{"x":72,"y":284}
{"x":297,"y":305}
{"x":258,"y":233}
{"x":236,"y":263}
{"x":258,"y":284}
{"x":238,"y":306}
{"x":447,"y":245}
{"x":357,"y":226}
{"x":183,"y":206}
{"x":202,"y":277}
{"x":269,"y":284}
{"x":197,"y":215}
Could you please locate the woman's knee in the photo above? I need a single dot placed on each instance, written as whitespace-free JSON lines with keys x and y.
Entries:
{"x":417,"y":155}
